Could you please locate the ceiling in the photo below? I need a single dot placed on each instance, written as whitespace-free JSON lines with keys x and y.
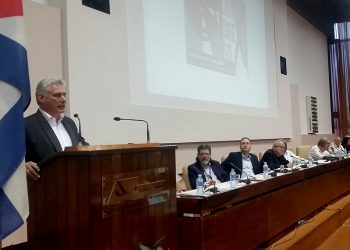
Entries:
{"x":322,"y":13}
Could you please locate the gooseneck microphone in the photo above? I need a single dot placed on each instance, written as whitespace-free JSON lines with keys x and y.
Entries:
{"x":135,"y":120}
{"x":247,"y":180}
{"x":81,"y":139}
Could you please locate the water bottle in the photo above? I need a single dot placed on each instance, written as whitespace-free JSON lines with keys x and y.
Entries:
{"x":200,"y":184}
{"x":266,"y":170}
{"x":309,"y":164}
{"x":233,"y":180}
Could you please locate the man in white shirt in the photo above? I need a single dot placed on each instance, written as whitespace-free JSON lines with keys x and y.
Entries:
{"x":320,"y":150}
{"x":336,"y":146}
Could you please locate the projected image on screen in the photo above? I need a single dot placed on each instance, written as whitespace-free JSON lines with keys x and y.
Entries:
{"x":212,"y":56}
{"x":216,"y":34}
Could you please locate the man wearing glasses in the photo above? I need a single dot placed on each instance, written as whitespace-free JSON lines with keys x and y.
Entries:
{"x":210,"y":170}
{"x":275,"y":157}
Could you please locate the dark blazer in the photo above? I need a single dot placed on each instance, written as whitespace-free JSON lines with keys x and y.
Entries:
{"x":41,"y":141}
{"x":344,"y":143}
{"x":272,"y":160}
{"x":196,"y":168}
{"x":236,"y":159}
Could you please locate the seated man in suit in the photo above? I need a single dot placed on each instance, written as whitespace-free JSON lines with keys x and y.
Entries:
{"x":209,"y":169}
{"x":48,"y":131}
{"x":317,"y":152}
{"x":275,"y":157}
{"x":242,"y":160}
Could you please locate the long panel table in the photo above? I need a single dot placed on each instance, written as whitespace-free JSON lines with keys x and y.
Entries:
{"x":246,"y":217}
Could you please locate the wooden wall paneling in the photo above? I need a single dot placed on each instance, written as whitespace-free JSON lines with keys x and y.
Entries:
{"x":83,"y":201}
{"x":71,"y":202}
{"x":284,"y":209}
{"x":62,"y":193}
{"x":235,"y":230}
{"x":96,"y":225}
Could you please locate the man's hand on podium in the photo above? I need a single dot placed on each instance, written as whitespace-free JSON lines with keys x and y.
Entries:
{"x":32,"y":170}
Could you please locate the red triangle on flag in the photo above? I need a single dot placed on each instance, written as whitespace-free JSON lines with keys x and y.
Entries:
{"x":10,"y":8}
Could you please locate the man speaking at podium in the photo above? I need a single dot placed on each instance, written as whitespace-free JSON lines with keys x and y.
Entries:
{"x":48,"y":131}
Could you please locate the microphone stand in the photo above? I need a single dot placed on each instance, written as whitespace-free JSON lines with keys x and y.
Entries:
{"x":81,"y":139}
{"x":137,"y":120}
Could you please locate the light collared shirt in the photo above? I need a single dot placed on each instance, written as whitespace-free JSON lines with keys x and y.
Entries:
{"x":59,"y":129}
{"x":289,"y":155}
{"x":316,"y":153}
{"x":247,"y":166}
{"x":333,"y":148}
{"x":209,"y":174}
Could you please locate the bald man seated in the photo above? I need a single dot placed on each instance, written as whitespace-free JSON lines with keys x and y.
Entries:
{"x":275,"y":157}
{"x":319,"y":151}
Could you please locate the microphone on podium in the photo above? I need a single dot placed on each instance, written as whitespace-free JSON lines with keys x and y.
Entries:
{"x":81,"y":139}
{"x":136,"y":120}
{"x":247,"y":180}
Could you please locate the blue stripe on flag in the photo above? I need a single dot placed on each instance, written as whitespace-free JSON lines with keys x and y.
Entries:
{"x":14,"y":67}
{"x":12,"y":145}
{"x":10,"y":219}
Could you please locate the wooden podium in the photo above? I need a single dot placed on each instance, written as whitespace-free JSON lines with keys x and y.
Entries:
{"x":104,"y":197}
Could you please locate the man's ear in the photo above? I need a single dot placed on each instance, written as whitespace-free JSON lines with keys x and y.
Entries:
{"x":40,"y":98}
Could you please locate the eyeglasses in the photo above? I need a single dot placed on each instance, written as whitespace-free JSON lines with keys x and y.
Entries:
{"x":203,"y":154}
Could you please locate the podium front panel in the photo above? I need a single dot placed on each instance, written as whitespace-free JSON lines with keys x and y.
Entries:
{"x":104,"y":199}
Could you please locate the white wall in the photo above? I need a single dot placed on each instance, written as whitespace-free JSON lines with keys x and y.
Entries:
{"x":308,"y":68}
{"x":44,"y":44}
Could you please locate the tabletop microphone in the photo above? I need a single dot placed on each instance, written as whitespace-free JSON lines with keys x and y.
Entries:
{"x":81,"y":139}
{"x":135,"y":120}
{"x":247,"y":180}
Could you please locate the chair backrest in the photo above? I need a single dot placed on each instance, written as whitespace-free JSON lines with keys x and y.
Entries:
{"x":303,"y":151}
{"x":291,"y":149}
{"x":261,"y":155}
{"x":223,"y":158}
{"x":185,"y":177}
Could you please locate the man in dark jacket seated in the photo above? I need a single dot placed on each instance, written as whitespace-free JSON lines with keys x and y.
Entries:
{"x":275,"y":157}
{"x":209,"y":169}
{"x":242,"y":160}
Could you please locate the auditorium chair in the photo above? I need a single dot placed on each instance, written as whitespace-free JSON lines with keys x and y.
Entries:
{"x":303,"y":151}
{"x":185,"y":177}
{"x":261,"y":155}
{"x":223,"y":158}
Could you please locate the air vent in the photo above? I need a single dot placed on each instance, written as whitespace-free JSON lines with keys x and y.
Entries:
{"x":312,"y":114}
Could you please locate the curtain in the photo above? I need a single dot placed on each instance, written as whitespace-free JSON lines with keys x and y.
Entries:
{"x":339,"y":69}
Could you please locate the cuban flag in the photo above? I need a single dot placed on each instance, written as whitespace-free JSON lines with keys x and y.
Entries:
{"x":14,"y":99}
